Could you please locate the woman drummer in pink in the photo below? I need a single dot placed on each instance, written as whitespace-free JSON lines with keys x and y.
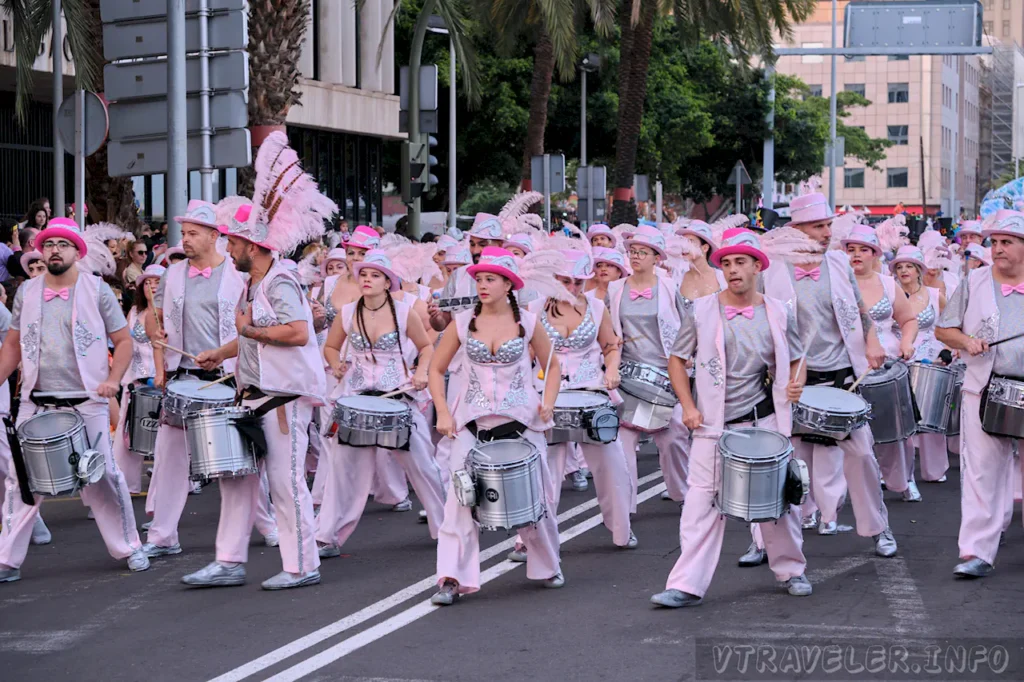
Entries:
{"x":495,"y":400}
{"x":378,"y":331}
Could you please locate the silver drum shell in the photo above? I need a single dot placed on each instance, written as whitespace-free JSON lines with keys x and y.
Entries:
{"x":647,"y":397}
{"x":177,"y":407}
{"x":140,"y":424}
{"x":51,"y":461}
{"x":892,"y":405}
{"x":816,"y":421}
{"x":508,"y":495}
{"x":570,"y":422}
{"x":751,"y":488}
{"x":216,"y":446}
{"x":361,"y":427}
{"x":1003,"y":413}
{"x":933,"y":391}
{"x":953,"y":425}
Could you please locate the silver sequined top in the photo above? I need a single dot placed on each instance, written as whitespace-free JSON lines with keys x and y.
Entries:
{"x":926,"y":318}
{"x":1009,"y":358}
{"x":881,"y":310}
{"x":200,"y":319}
{"x":641,"y":329}
{"x":581,"y":337}
{"x":384,"y":343}
{"x":508,"y":352}
{"x":819,"y":330}
{"x":138,"y":333}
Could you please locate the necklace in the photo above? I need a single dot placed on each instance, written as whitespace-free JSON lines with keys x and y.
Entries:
{"x":373,"y":311}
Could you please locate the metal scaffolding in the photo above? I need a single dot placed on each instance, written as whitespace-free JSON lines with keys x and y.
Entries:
{"x":1002,"y":83}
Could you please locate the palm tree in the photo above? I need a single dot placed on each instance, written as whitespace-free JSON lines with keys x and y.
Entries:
{"x":551,"y":25}
{"x":747,"y":26}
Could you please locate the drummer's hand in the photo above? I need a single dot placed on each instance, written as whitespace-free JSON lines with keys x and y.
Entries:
{"x":546,"y":412}
{"x":107,"y":389}
{"x":419,"y":380}
{"x":339,"y":371}
{"x":445,"y":425}
{"x":692,"y":419}
{"x":435,"y":313}
{"x":160,"y":379}
{"x":906,"y":350}
{"x":612,"y":379}
{"x":209,"y":360}
{"x":243,"y":317}
{"x":319,"y":315}
{"x":976,"y":347}
{"x":794,"y":390}
{"x":875,"y":353}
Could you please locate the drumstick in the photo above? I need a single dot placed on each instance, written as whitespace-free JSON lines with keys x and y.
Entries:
{"x":1008,"y":338}
{"x":218,"y":381}
{"x":405,"y":387}
{"x":544,"y":393}
{"x":176,"y":350}
{"x":729,"y":431}
{"x":859,"y":379}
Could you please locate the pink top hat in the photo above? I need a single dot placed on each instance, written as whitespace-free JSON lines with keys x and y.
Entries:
{"x":499,"y":262}
{"x":970,"y":227}
{"x":62,"y":228}
{"x":576,"y":264}
{"x":1004,"y":221}
{"x":363,"y":237}
{"x":602,"y":229}
{"x":648,"y":236}
{"x":523,"y":240}
{"x":333,"y":254}
{"x":457,"y":256}
{"x":239,"y":226}
{"x":809,"y":208}
{"x":612,"y":257}
{"x":154,"y":270}
{"x":445,"y":243}
{"x":486,"y":226}
{"x":29,"y":257}
{"x":739,"y":240}
{"x":200,"y":213}
{"x":378,"y":260}
{"x":701,"y":230}
{"x":865,"y":236}
{"x":908,"y":254}
{"x":973,"y":251}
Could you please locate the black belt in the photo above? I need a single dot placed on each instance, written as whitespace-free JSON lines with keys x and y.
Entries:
{"x":506,"y":431}
{"x":201,"y":374}
{"x":53,"y":401}
{"x":397,"y":396}
{"x":253,"y":393}
{"x":836,"y":377}
{"x":763,"y":409}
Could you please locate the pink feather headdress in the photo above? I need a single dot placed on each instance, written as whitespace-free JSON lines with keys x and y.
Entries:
{"x":728,"y":222}
{"x":413,"y":262}
{"x":538,"y":270}
{"x":515,"y":216}
{"x":309,"y":271}
{"x":791,"y":245}
{"x":842,"y":226}
{"x":892,"y":233}
{"x":559,"y":242}
{"x":98,"y":259}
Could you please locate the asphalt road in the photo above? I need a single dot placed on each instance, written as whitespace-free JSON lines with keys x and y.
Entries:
{"x":79,"y":615}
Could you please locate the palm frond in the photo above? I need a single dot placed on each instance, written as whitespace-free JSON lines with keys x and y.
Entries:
{"x":29,"y":23}
{"x":80,"y":19}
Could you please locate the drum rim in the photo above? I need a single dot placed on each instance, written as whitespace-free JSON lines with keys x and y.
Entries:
{"x":67,"y":435}
{"x":917,"y":364}
{"x":534,"y":454}
{"x":602,"y":399}
{"x":403,"y":407}
{"x":731,"y":454}
{"x":854,"y":413}
{"x":217,"y":388}
{"x":662,"y":403}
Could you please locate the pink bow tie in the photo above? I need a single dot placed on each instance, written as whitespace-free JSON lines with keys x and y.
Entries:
{"x":193,"y":271}
{"x":50,"y":294}
{"x":813,"y":273}
{"x":1006,"y":289}
{"x":731,"y":312}
{"x":646,"y":293}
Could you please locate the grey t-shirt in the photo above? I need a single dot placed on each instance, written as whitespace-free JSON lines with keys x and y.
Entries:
{"x":58,"y":367}
{"x":200,"y":319}
{"x":286,"y":300}
{"x":1009,"y":358}
{"x":641,"y":331}
{"x":5,"y":322}
{"x":819,"y":330}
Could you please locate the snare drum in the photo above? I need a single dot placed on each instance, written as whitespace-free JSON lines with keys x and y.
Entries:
{"x":826,"y":414}
{"x":647,"y":396}
{"x":755,"y":467}
{"x":362,"y":421}
{"x":216,"y":446}
{"x":933,"y":391}
{"x":57,"y":455}
{"x":185,"y":396}
{"x":583,"y":417}
{"x":507,"y":481}
{"x":143,"y":418}
{"x":953,"y":425}
{"x":888,"y":392}
{"x":1002,"y":407}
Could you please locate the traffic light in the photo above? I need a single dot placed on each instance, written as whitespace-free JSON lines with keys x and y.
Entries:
{"x":431,"y":179}
{"x":413,"y":170}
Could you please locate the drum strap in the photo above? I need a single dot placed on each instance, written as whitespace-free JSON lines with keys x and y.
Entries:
{"x":507,"y":431}
{"x":19,"y":463}
{"x":53,"y":401}
{"x":763,"y":409}
{"x":837,"y":377}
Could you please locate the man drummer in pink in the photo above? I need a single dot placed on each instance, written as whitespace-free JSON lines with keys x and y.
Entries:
{"x":742,"y":337}
{"x":75,"y":313}
{"x":988,"y":306}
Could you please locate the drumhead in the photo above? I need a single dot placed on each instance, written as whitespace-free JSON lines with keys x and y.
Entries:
{"x":50,"y":424}
{"x":190,"y":388}
{"x":754,"y":443}
{"x":892,"y":372}
{"x":836,"y":400}
{"x":502,"y":452}
{"x":372,"y":403}
{"x":579,"y":399}
{"x":929,"y":367}
{"x":152,"y":391}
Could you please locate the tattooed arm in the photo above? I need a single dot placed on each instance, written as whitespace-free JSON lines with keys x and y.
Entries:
{"x":291,"y":334}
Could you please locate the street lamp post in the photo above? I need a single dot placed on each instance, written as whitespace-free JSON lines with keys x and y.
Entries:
{"x":435,"y":24}
{"x":1015,"y":139}
{"x":590,"y":64}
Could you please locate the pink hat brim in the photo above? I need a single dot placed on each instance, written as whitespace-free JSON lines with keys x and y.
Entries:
{"x":27,"y":258}
{"x":223,"y":229}
{"x":611,"y":235}
{"x":394,"y":280}
{"x":830,"y":216}
{"x":624,"y":269}
{"x":517,"y":281}
{"x":875,"y":248}
{"x":182,"y":219}
{"x":906,"y":259}
{"x":743,"y":249}
{"x":642,"y":242}
{"x":988,"y":233}
{"x":684,"y":232}
{"x":64,"y":233}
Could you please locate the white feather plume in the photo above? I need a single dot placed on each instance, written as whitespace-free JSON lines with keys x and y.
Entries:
{"x":791,"y":245}
{"x":538,"y":270}
{"x":842,"y":226}
{"x":309,"y":271}
{"x":892,"y":233}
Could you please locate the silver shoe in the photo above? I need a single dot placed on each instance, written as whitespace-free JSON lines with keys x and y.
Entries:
{"x":197,"y":488}
{"x":810,"y":521}
{"x":885,"y":544}
{"x":138,"y":561}
{"x":941,"y":479}
{"x":912,"y":494}
{"x":272,"y":539}
{"x":329,"y":551}
{"x":587,"y":472}
{"x":518,"y":555}
{"x":40,"y":533}
{"x":422,"y":516}
{"x":579,"y":481}
{"x":665,"y":496}
{"x":632,"y":542}
{"x":154,"y":551}
{"x":285,"y":580}
{"x":216,"y":574}
{"x":674,"y":599}
{"x":447,"y":595}
{"x":799,"y":586}
{"x":147,"y":525}
{"x":555,"y":581}
{"x":403,"y":506}
{"x":10,"y":575}
{"x":828,"y":528}
{"x":755,"y":556}
{"x":972,"y":568}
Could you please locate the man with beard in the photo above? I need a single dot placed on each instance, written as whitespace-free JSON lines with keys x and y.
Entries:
{"x":486,"y":231}
{"x":75,"y":313}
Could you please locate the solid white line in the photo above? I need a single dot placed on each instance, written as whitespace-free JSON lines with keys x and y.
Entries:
{"x":414,"y":613}
{"x":905,"y":602}
{"x":373,"y":610}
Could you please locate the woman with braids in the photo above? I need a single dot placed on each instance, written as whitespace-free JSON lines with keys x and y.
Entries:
{"x":377,"y":330}
{"x":496,"y":399}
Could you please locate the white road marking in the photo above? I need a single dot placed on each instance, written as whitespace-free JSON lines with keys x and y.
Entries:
{"x":905,"y":602}
{"x":373,"y":610}
{"x":424,"y":608}
{"x":815,"y":576}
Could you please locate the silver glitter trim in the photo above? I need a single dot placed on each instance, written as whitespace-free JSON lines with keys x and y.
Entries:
{"x":83,"y":338}
{"x":226,"y":316}
{"x":177,"y":312}
{"x":260,"y":316}
{"x":295,"y":486}
{"x":847,"y":315}
{"x":516,"y":395}
{"x":30,"y":341}
{"x":390,"y":379}
{"x":475,"y":394}
{"x":714,"y":368}
{"x":669,"y":332}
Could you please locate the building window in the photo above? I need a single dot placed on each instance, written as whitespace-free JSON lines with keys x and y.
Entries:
{"x":853,"y":178}
{"x":899,"y":58}
{"x":898,"y":135}
{"x":812,"y":58}
{"x":1006,"y":4}
{"x":814,"y":90}
{"x":899,"y":93}
{"x":988,"y":27}
{"x":1006,"y":28}
{"x":856,"y":87}
{"x":897,"y":177}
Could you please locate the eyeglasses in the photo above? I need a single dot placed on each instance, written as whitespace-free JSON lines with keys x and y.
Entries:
{"x":140,"y":253}
{"x":636,"y":253}
{"x":57,"y":246}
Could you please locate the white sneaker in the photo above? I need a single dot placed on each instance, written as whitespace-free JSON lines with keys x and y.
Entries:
{"x":40,"y":533}
{"x":403,"y":506}
{"x":272,"y":539}
{"x":138,"y":561}
{"x":197,"y":488}
{"x":579,"y":481}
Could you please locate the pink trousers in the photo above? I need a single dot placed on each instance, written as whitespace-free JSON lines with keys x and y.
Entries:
{"x":986,"y":492}
{"x":673,"y":455}
{"x":611,"y":480}
{"x":574,"y":460}
{"x":130,"y":463}
{"x":293,"y":503}
{"x":388,"y":485}
{"x":702,"y":527}
{"x":895,"y":465}
{"x":931,"y":450}
{"x":855,"y":459}
{"x":170,"y":485}
{"x":350,"y":477}
{"x":458,"y":542}
{"x":108,"y":498}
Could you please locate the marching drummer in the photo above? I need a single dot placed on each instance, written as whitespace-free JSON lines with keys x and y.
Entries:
{"x":609,"y":265}
{"x":379,"y":361}
{"x":988,"y":306}
{"x":742,"y":338}
{"x":486,"y":232}
{"x":75,"y":313}
{"x":195,"y":307}
{"x":970,"y":232}
{"x":496,"y":401}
